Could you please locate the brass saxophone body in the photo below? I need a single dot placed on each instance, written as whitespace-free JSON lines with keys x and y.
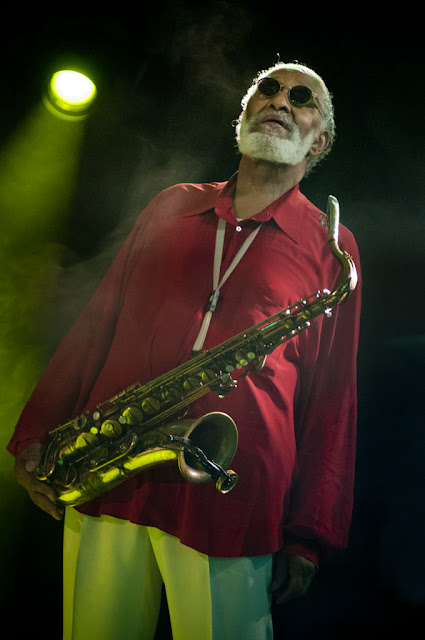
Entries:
{"x":140,"y":427}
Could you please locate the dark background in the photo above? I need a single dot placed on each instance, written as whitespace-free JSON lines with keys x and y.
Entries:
{"x":170,"y":84}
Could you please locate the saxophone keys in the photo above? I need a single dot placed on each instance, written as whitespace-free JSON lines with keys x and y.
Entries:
{"x":190,"y":383}
{"x":85,"y":440}
{"x":132,"y":415}
{"x":170,"y":394}
{"x":111,"y":429}
{"x":79,"y":422}
{"x":207,"y":375}
{"x":151,"y":405}
{"x":243,"y":359}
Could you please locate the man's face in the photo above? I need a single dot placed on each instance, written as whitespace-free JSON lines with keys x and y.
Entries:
{"x":275,"y":130}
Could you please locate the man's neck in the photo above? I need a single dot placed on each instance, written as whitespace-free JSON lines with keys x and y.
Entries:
{"x":260,"y":183}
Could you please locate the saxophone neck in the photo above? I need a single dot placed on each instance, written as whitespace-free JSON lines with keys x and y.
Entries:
{"x":349,"y":272}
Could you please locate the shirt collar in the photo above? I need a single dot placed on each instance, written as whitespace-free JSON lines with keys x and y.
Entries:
{"x":286,"y":211}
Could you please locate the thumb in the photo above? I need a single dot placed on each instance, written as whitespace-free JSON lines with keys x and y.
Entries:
{"x":33,"y":457}
{"x":31,"y":465}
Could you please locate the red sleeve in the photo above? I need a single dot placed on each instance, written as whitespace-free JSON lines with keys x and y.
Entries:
{"x":321,"y":499}
{"x":66,"y":382}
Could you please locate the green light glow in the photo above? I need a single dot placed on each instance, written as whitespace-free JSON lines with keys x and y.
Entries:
{"x":70,"y":498}
{"x":38,"y":167}
{"x":39,"y":162}
{"x":73,"y":88}
{"x":148,"y":459}
{"x":70,"y":94}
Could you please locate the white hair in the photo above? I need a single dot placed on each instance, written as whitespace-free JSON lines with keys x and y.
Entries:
{"x":328,"y":119}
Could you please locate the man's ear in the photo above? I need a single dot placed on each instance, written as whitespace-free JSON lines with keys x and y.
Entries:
{"x":320,"y":142}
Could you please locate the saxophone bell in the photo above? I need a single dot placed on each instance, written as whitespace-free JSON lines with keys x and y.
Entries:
{"x":207,"y":450}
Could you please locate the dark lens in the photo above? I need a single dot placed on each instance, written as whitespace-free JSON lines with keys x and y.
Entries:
{"x":268,"y":87}
{"x":300,"y":94}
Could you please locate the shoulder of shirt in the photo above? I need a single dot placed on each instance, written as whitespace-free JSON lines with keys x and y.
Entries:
{"x":189,"y":197}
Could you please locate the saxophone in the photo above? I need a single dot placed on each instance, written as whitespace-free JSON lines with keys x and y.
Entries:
{"x":140,"y":426}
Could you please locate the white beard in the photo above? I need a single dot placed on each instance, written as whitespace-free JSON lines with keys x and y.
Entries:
{"x":269,"y":146}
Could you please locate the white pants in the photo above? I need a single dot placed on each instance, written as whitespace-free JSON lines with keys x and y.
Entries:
{"x":113,"y":574}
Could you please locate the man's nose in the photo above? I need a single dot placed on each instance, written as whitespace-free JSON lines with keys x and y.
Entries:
{"x":281,"y":101}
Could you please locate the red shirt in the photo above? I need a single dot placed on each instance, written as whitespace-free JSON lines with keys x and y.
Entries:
{"x":296,"y":418}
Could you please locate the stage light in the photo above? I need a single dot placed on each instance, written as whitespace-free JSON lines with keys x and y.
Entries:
{"x":70,"y":95}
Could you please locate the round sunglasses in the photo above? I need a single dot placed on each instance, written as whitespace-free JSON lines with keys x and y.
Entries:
{"x":299,"y":96}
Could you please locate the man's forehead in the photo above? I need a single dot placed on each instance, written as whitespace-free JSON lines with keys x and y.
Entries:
{"x":293,"y":77}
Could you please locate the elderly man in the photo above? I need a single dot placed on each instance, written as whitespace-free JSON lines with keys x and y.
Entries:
{"x":220,"y":556}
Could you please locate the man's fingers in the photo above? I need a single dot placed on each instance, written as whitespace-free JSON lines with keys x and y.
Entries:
{"x":28,"y":480}
{"x":44,"y":503}
{"x":44,"y":497}
{"x":36,"y":486}
{"x":299,"y":573}
{"x":295,"y":589}
{"x":45,"y":490}
{"x":40,"y":493}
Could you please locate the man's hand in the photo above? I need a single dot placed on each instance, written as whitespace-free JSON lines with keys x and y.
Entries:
{"x":292,"y":576}
{"x":40,"y":493}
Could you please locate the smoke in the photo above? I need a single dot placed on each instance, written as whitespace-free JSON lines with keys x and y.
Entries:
{"x":172,"y":123}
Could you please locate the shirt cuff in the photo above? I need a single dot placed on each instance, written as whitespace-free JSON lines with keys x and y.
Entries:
{"x":306,"y":549}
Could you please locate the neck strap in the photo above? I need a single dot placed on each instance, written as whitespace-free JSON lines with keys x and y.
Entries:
{"x":218,"y":257}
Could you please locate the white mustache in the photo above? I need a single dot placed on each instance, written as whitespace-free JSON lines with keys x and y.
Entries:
{"x":281,"y":117}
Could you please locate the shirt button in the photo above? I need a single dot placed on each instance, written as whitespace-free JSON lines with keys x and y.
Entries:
{"x":238,"y":228}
